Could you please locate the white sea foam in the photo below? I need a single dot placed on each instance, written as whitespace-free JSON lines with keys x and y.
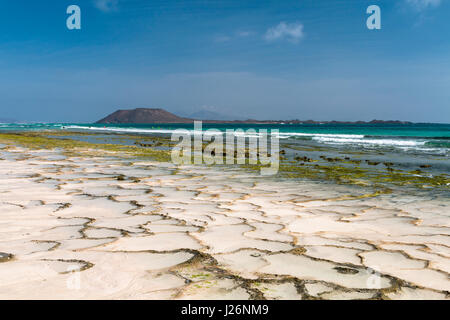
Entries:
{"x":281,"y":135}
{"x":373,"y":142}
{"x":115,"y":129}
{"x":325,"y":135}
{"x":162,"y":131}
{"x":325,"y":138}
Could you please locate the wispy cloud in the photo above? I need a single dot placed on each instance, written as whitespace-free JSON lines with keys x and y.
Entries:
{"x":106,"y":5}
{"x":236,"y":35}
{"x":423,"y":4}
{"x":292,"y":32}
{"x":244,"y":34}
{"x":222,"y":38}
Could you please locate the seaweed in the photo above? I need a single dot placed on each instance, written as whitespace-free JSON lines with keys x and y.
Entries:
{"x":338,"y":170}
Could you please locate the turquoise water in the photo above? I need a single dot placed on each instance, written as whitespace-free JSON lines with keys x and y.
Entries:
{"x":426,"y":138}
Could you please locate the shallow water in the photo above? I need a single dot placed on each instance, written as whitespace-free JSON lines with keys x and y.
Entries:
{"x":428,"y":161}
{"x":426,"y":138}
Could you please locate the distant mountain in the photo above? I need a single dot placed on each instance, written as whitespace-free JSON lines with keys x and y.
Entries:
{"x":148,"y":115}
{"x":143,"y":115}
{"x":7,"y":120}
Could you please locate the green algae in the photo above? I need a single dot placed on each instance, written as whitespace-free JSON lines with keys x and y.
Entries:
{"x":362,"y":176}
{"x":73,"y":147}
{"x":338,"y":170}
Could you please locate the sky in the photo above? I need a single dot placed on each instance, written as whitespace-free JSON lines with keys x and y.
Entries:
{"x":259,"y":59}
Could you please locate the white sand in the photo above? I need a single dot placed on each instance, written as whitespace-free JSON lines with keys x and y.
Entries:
{"x":69,"y":229}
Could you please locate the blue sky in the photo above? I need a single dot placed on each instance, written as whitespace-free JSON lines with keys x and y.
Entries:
{"x":263,"y":59}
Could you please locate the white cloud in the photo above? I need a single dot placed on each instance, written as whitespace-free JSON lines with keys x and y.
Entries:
{"x":423,"y":4}
{"x":236,"y":35}
{"x":106,"y":5}
{"x":222,"y":38}
{"x":290,"y":31}
{"x":244,"y":34}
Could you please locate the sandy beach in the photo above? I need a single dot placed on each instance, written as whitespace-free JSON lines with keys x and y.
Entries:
{"x":213,"y":159}
{"x":111,"y":227}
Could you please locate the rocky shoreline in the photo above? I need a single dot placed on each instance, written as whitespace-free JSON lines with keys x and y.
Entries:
{"x":88,"y":226}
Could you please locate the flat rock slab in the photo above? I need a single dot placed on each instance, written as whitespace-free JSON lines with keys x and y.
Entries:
{"x":113,"y":228}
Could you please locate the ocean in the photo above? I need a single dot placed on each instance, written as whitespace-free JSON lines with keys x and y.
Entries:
{"x":427,"y":139}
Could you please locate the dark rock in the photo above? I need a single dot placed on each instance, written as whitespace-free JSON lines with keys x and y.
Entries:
{"x":144,"y":115}
{"x":4,"y":257}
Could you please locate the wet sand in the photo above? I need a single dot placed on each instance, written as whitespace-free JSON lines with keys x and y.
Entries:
{"x":86,"y":227}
